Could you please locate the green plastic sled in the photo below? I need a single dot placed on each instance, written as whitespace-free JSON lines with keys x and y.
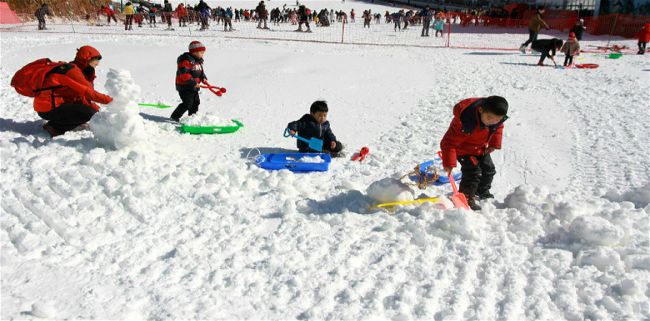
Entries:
{"x":209,"y":130}
{"x":615,"y":55}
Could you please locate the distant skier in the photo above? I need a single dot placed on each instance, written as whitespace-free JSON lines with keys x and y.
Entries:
{"x":315,"y":125}
{"x":439,"y":26}
{"x":181,"y":13}
{"x":168,"y":11}
{"x":367,"y":17}
{"x":227,"y":19}
{"x":189,"y":76}
{"x":152,"y":17}
{"x":535,"y":25}
{"x":110,"y":14}
{"x":303,"y":17}
{"x":548,"y":48}
{"x":426,"y":15}
{"x":40,"y":14}
{"x":474,"y":133}
{"x":262,"y":15}
{"x":129,"y":12}
{"x":397,"y":19}
{"x":204,"y":14}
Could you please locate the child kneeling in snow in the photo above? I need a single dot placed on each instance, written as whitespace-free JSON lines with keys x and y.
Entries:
{"x":189,"y":77}
{"x":315,"y":124}
{"x":474,"y":133}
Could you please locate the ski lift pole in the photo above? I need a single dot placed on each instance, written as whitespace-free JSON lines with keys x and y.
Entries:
{"x":611,"y":30}
{"x":449,"y":34}
{"x":342,"y":30}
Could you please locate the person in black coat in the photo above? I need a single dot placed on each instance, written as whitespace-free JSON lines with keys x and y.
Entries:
{"x":548,"y":48}
{"x":303,"y":18}
{"x":40,"y":14}
{"x":579,"y":28}
{"x":315,"y":124}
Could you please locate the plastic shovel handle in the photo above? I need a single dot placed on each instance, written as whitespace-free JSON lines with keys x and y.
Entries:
{"x":453,"y":183}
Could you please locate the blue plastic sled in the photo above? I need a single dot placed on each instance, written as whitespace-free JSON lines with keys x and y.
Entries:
{"x":442,"y":179}
{"x":291,"y":161}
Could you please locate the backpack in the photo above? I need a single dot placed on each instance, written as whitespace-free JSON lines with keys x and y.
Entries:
{"x":28,"y":81}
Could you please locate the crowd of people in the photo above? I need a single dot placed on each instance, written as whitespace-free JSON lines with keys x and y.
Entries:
{"x":203,"y":16}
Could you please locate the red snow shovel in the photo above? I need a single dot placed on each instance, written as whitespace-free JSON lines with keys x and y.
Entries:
{"x":459,"y":199}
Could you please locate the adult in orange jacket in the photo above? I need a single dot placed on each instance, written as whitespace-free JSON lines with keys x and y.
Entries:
{"x":67,"y":96}
{"x":474,"y":133}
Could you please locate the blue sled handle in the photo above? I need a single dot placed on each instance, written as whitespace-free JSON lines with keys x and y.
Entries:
{"x":423,"y":166}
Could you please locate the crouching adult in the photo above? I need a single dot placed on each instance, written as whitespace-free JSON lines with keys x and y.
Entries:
{"x":67,"y":96}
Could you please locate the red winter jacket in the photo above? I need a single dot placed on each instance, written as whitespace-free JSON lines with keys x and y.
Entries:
{"x":181,"y":11}
{"x":644,"y":34}
{"x":108,"y":11}
{"x":73,"y":83}
{"x":467,"y":135}
{"x":189,"y":72}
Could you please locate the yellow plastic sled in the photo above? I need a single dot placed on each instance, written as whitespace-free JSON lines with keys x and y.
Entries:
{"x":416,"y":201}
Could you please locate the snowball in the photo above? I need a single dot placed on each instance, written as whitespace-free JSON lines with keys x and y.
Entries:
{"x":390,"y":190}
{"x":119,"y":124}
{"x":43,"y":310}
{"x":205,"y":119}
{"x":595,"y":230}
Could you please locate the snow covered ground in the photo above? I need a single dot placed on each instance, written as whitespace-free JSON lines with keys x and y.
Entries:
{"x":179,"y":226}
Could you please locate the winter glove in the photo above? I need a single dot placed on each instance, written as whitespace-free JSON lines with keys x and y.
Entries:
{"x":100,"y":98}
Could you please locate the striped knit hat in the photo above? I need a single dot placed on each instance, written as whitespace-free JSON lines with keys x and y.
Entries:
{"x":196,"y":46}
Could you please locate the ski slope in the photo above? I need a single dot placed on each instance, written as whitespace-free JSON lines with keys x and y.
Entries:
{"x":173,"y":226}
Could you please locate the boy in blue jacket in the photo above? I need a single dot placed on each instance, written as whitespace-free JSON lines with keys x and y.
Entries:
{"x":315,"y":124}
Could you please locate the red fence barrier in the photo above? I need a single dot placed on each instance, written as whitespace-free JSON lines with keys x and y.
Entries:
{"x":627,"y":26}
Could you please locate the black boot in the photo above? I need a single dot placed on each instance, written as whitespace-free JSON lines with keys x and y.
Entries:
{"x":471,"y":201}
{"x":485,"y":195}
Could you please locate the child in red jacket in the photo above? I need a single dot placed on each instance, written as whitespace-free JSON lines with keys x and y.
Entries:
{"x":644,"y":38}
{"x":474,"y":132}
{"x":189,"y":77}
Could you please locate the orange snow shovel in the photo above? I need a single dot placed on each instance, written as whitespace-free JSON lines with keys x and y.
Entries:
{"x":459,"y":199}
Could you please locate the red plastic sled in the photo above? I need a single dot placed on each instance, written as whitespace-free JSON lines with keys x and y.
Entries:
{"x":587,"y":66}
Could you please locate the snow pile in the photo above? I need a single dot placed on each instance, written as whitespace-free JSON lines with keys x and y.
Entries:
{"x":390,"y":190}
{"x":639,"y":196}
{"x":608,"y":235}
{"x":205,"y":119}
{"x":118,"y":124}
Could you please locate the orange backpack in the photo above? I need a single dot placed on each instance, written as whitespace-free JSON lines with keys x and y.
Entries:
{"x":28,"y":81}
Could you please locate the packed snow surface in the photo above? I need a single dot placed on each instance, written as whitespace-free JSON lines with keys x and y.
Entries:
{"x":205,"y":119}
{"x":132,"y":220}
